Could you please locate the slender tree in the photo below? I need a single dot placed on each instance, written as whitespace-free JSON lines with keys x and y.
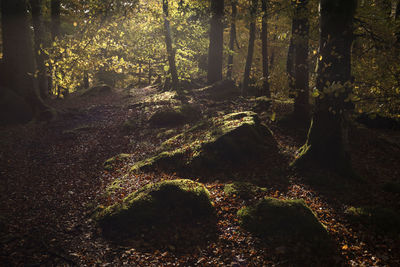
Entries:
{"x":264,"y":48}
{"x":215,"y":50}
{"x":300,"y":38}
{"x":39,"y":37}
{"x":170,"y":50}
{"x":232,"y":39}
{"x":55,"y":18}
{"x":327,"y":141}
{"x":250,"y":49}
{"x":18,"y":58}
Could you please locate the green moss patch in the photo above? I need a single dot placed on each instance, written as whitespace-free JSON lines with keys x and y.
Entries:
{"x":175,"y":116}
{"x":96,"y":90}
{"x":157,"y":206}
{"x":110,"y":163}
{"x":242,"y":189}
{"x":381,"y":219}
{"x":282,"y":220}
{"x":213,"y":143}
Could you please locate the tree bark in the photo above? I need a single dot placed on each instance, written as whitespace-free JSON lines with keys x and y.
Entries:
{"x":232,"y":38}
{"x":264,"y":48}
{"x":39,"y":36}
{"x":301,"y":74}
{"x":215,"y":49}
{"x":327,"y":141}
{"x":170,"y":50}
{"x":18,"y":58}
{"x":250,"y":49}
{"x":55,"y":18}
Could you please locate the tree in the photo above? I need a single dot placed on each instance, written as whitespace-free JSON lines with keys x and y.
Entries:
{"x":264,"y":48}
{"x":299,"y":42}
{"x":250,"y":49}
{"x":232,"y":39}
{"x":327,"y":141}
{"x":215,"y":55}
{"x":39,"y":37}
{"x":168,"y":42}
{"x":55,"y":18}
{"x":18,"y":59}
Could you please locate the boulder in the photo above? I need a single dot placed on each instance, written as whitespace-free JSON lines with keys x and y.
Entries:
{"x":222,"y":90}
{"x":243,"y":190}
{"x":213,"y":143}
{"x":282,"y":220}
{"x":96,"y":90}
{"x":13,"y":108}
{"x":157,"y":206}
{"x":175,"y":116}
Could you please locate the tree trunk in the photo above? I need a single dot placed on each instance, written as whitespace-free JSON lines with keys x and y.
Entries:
{"x":232,"y":38}
{"x":327,"y":141}
{"x":290,"y":66}
{"x":39,"y":36}
{"x":86,"y":83}
{"x":170,"y":50}
{"x":264,"y":48}
{"x":215,"y":48}
{"x":301,"y":74}
{"x":55,"y":18}
{"x":18,"y":59}
{"x":250,"y":49}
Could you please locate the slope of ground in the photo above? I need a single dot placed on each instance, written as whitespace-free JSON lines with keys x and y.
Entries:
{"x":52,"y":178}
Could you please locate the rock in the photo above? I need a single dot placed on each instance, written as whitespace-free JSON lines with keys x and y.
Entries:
{"x":175,"y":116}
{"x":157,"y":205}
{"x":213,"y":143}
{"x":261,"y":104}
{"x":282,"y":220}
{"x":243,"y":190}
{"x":222,"y":90}
{"x":110,"y":163}
{"x":380,"y":219}
{"x":96,"y":90}
{"x":13,"y":108}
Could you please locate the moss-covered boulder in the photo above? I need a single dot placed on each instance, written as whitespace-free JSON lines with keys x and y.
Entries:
{"x":381,"y":219}
{"x":96,"y":90}
{"x":110,"y":163}
{"x":222,"y":90}
{"x":213,"y":143}
{"x":157,"y":206}
{"x":282,"y":220}
{"x":243,"y":190}
{"x":175,"y":116}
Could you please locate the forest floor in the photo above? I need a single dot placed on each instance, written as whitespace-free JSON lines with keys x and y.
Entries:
{"x":52,"y":178}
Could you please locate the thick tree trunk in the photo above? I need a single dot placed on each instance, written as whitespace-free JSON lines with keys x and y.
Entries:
{"x":39,"y":36}
{"x":18,"y":58}
{"x":290,"y":65}
{"x":250,"y":49}
{"x":301,"y":74}
{"x":327,"y":141}
{"x":215,"y":49}
{"x":232,"y":38}
{"x":170,"y":50}
{"x":264,"y":49}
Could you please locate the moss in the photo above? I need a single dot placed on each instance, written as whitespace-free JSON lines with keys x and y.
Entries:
{"x":175,"y":116}
{"x":242,"y":189}
{"x":156,"y":205}
{"x":381,"y":219}
{"x":230,"y":138}
{"x":282,"y":219}
{"x":111,"y":162}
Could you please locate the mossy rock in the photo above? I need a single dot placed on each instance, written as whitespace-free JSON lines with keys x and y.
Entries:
{"x":392,"y":187}
{"x":110,"y":163}
{"x":232,"y":138}
{"x":262,"y":104}
{"x":275,"y":219}
{"x":243,"y":190}
{"x":175,"y":116}
{"x":222,"y":90}
{"x":381,"y":219}
{"x":13,"y":108}
{"x":157,"y":205}
{"x":96,"y":90}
